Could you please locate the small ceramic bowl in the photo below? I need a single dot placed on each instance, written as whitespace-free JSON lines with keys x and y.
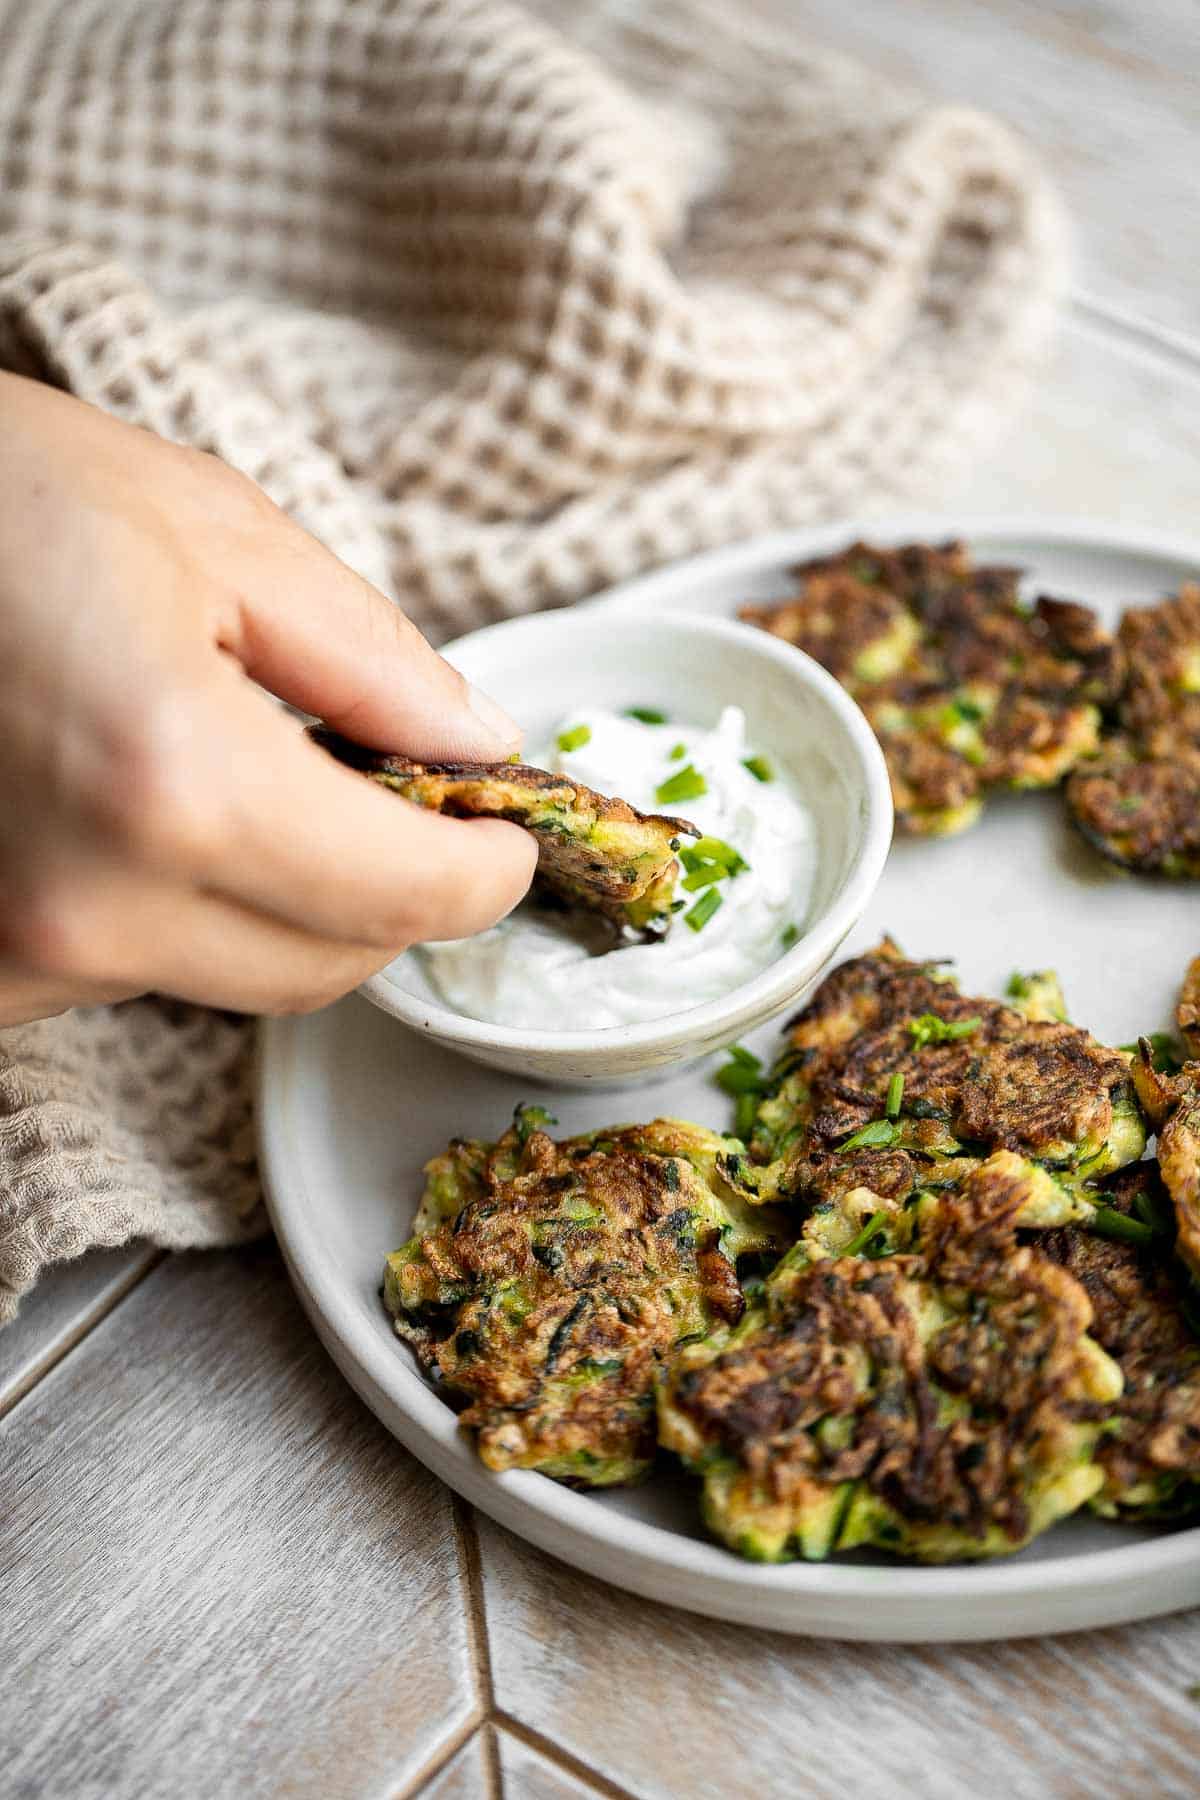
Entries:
{"x":542,"y":667}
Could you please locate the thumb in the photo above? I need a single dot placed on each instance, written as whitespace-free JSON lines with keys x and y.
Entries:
{"x":318,"y":635}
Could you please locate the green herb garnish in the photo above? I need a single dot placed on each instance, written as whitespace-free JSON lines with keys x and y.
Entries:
{"x":576,"y":738}
{"x":738,"y":1077}
{"x":1109,"y":1223}
{"x":677,"y":752}
{"x":878,"y":1135}
{"x":929,"y":1029}
{"x":871,"y":1229}
{"x":745,"y":1113}
{"x":646,"y":715}
{"x":789,"y":936}
{"x":895,"y":1094}
{"x":698,"y":916}
{"x":759,"y":767}
{"x":528,"y":1119}
{"x":689,"y":784}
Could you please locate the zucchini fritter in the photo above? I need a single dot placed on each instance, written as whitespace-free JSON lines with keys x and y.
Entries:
{"x":976,"y":1075}
{"x":966,"y":687}
{"x":1187,"y":1013}
{"x":1142,"y":1316}
{"x":942,"y":1404}
{"x":593,"y":852}
{"x":1138,"y":801}
{"x":548,"y":1282}
{"x":1172,"y":1104}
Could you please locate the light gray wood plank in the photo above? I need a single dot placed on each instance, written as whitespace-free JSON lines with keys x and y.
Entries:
{"x":665,"y":1704}
{"x":465,"y":1776}
{"x":1106,"y":94}
{"x":221,"y":1576}
{"x":528,"y":1775}
{"x":1110,"y":433}
{"x":67,"y":1301}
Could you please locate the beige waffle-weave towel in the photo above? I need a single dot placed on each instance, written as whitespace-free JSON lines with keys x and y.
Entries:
{"x":503,"y":306}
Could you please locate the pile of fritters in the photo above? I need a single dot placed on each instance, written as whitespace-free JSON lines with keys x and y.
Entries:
{"x":1138,"y":801}
{"x":939,"y":1301}
{"x":970,"y":691}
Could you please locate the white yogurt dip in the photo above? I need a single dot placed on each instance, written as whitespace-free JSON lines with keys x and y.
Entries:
{"x":529,"y":971}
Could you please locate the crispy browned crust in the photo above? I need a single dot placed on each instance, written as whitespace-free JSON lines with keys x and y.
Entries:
{"x":967,"y":653}
{"x":1010,"y":1351}
{"x":1012,"y":1083}
{"x":628,"y":876}
{"x":574,"y":1268}
{"x":1187,"y":1013}
{"x":1138,"y":803}
{"x":1138,"y":1317}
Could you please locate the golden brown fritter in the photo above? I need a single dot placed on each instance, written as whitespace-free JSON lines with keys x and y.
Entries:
{"x":1172,"y":1104}
{"x":966,"y":688}
{"x":1150,"y":1452}
{"x":976,"y":1075}
{"x":593,"y":852}
{"x":943,"y":1405}
{"x":1187,"y":1013}
{"x":1138,"y":802}
{"x":548,"y":1282}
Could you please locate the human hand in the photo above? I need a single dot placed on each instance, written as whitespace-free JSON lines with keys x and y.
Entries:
{"x":163,"y":823}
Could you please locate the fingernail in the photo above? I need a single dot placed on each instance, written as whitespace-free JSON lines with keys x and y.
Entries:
{"x":494,"y":717}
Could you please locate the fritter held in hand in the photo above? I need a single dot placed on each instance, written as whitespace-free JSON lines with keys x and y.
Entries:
{"x":965,"y":1076}
{"x":966,"y":687}
{"x":595,"y":853}
{"x":1143,"y":1309}
{"x":1138,"y":802}
{"x":944,"y":1404}
{"x":547,"y":1283}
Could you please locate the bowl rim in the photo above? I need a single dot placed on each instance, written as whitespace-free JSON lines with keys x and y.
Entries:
{"x":773,"y":985}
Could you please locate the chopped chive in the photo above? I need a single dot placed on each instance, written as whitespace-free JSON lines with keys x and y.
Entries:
{"x":929,"y":1029}
{"x":677,"y":752}
{"x":739,"y":1078}
{"x":789,"y":936}
{"x":876,"y":1136}
{"x":528,"y":1119}
{"x":646,"y":715}
{"x":872,"y":1228}
{"x":698,"y":916}
{"x":703,"y":875}
{"x":678,"y":905}
{"x":745,"y":1113}
{"x":895,"y":1094}
{"x":1156,"y":1211}
{"x":759,"y":767}
{"x":1109,"y":1223}
{"x":576,"y":738}
{"x":739,"y":1053}
{"x":689,"y":784}
{"x":715,"y":849}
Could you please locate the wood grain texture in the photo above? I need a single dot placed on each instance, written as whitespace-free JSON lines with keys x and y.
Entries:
{"x":666,"y":1704}
{"x":528,"y":1775}
{"x":1107,"y":93}
{"x":465,"y":1777}
{"x":63,"y":1306}
{"x":221,"y":1576}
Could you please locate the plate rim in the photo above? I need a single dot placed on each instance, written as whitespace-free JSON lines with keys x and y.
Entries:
{"x":854,"y":1601}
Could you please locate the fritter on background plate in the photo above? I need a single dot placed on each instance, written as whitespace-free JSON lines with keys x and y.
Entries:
{"x":888,"y":1057}
{"x":547,"y":1283}
{"x":967,"y":688}
{"x":941,"y":1404}
{"x":1145,"y":1315}
{"x":1138,"y":801}
{"x":593,"y":852}
{"x":1172,"y":1104}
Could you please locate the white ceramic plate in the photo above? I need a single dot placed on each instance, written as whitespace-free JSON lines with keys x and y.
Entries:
{"x":351,"y":1105}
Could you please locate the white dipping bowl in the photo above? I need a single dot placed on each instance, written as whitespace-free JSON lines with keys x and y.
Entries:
{"x":544,"y":667}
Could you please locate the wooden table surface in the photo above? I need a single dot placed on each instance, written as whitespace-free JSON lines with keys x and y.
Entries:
{"x":220,"y":1577}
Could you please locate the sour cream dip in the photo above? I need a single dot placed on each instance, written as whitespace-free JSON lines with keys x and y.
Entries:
{"x":530,"y":971}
